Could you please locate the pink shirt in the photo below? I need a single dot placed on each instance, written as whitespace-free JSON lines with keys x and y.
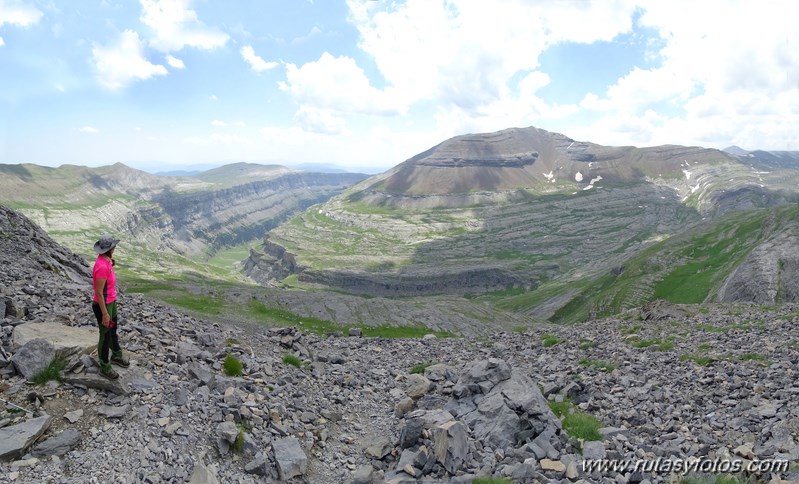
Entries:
{"x":104,"y":270}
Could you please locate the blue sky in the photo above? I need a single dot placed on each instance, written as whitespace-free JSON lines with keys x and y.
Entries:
{"x":366,"y":84}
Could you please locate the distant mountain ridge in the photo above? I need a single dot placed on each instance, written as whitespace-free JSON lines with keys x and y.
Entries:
{"x":522,"y":221}
{"x":527,"y":219}
{"x":161,"y":215}
{"x":766,"y":159}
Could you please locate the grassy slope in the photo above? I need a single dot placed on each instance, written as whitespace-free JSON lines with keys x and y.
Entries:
{"x":686,"y":269}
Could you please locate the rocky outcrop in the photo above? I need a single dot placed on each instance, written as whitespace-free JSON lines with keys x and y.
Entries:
{"x":229,"y":216}
{"x":417,"y":283}
{"x":770,"y":274}
{"x":275,"y":263}
{"x":34,"y":249}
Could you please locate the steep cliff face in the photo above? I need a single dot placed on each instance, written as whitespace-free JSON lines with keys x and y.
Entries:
{"x":770,"y":274}
{"x":273,"y":264}
{"x":157,"y":215}
{"x":245,"y":212}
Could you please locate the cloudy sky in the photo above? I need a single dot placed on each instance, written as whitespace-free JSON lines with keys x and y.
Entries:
{"x":366,"y":84}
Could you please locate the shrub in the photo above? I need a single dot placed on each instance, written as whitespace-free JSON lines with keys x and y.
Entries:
{"x":232,"y":365}
{"x":292,"y":360}
{"x":576,"y":423}
{"x":51,"y":372}
{"x":238,"y":444}
{"x":582,"y":425}
{"x":549,"y":340}
{"x":630,"y":329}
{"x":598,"y":364}
{"x":701,"y":360}
{"x":420,"y":367}
{"x":752,"y":357}
{"x":491,"y":480}
{"x":585,"y":344}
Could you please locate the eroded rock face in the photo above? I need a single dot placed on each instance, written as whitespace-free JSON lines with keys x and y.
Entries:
{"x":41,"y":252}
{"x":770,"y":274}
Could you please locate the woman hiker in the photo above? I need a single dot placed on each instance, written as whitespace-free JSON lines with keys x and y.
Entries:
{"x":105,"y":307}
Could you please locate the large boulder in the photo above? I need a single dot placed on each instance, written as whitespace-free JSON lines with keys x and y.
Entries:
{"x":291,"y":459}
{"x":69,"y":342}
{"x":33,"y":357}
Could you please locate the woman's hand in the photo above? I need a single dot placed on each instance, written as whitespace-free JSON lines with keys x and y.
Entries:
{"x":106,"y":320}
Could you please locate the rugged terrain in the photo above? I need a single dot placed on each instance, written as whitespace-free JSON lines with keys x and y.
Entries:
{"x":709,"y":383}
{"x":535,"y":222}
{"x":169,"y":222}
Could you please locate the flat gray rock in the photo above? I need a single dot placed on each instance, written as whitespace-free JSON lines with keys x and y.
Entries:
{"x":57,"y":445}
{"x":16,"y":438}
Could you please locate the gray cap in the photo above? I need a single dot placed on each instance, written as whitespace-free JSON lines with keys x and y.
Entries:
{"x":106,"y":243}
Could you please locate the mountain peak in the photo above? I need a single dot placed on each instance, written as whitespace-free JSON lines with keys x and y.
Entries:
{"x":736,"y":150}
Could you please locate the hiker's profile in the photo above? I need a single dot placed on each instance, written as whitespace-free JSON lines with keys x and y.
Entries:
{"x":104,"y":305}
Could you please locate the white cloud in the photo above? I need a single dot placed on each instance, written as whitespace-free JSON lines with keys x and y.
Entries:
{"x":2,"y":42}
{"x":16,"y":13}
{"x":466,"y":53}
{"x":175,"y":62}
{"x":175,"y":26}
{"x":336,"y":84}
{"x":221,"y":124}
{"x":213,"y":97}
{"x":722,"y":79}
{"x":320,"y":121}
{"x":256,"y":63}
{"x":89,"y":130}
{"x":313,"y":33}
{"x":122,"y":63}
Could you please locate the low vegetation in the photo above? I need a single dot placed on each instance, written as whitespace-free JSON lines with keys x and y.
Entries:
{"x":598,"y":364}
{"x":53,"y":371}
{"x":659,"y":344}
{"x":753,"y":357}
{"x":549,"y":340}
{"x":232,"y":365}
{"x":716,"y":479}
{"x":419,"y":368}
{"x":292,"y":360}
{"x":576,"y":423}
{"x":701,"y":360}
{"x":491,"y":480}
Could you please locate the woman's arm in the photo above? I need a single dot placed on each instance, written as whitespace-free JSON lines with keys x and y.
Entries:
{"x":99,"y":285}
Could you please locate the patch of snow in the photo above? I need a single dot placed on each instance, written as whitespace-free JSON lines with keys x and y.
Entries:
{"x":687,"y":174}
{"x":578,"y":177}
{"x":549,"y":175}
{"x":591,"y":183}
{"x":567,"y":148}
{"x":590,"y":164}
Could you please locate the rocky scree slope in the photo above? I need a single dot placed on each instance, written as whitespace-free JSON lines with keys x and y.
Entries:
{"x":355,"y":410}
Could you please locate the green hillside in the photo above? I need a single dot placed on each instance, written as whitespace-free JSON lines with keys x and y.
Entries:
{"x":685,"y":269}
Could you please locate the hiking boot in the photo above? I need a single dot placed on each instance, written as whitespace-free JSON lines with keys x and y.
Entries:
{"x":122,"y":361}
{"x":110,"y":374}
